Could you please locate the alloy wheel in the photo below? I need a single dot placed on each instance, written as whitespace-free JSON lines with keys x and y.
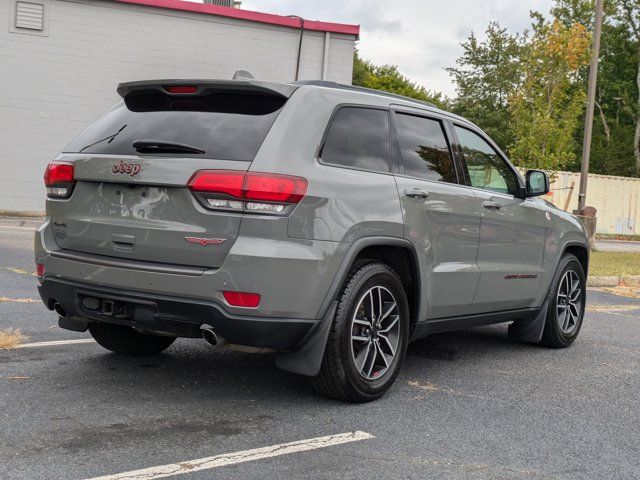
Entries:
{"x":569,"y":302}
{"x":375,"y":332}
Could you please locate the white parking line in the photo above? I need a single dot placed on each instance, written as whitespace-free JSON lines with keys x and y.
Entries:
{"x":207,"y":463}
{"x":55,"y":342}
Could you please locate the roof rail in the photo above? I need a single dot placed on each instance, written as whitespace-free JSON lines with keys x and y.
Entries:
{"x":342,"y":86}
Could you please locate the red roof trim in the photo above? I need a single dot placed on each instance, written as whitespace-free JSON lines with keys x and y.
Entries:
{"x":249,"y":15}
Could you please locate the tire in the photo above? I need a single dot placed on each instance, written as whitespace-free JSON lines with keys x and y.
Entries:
{"x":361,"y":369}
{"x":126,"y":341}
{"x":563,"y":322}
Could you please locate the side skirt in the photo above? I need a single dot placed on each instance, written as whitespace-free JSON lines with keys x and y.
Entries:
{"x":449,"y":324}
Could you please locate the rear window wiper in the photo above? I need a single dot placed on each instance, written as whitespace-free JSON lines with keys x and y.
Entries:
{"x":160,"y":146}
{"x":111,"y":138}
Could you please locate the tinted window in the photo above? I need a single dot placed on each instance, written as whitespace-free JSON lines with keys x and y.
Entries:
{"x":226,"y":126}
{"x":358,"y":137}
{"x":486,"y":168}
{"x":424,"y":149}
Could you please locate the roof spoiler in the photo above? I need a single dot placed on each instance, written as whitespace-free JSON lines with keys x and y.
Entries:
{"x":197,"y":87}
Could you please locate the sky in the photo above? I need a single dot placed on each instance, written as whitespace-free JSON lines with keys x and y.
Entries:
{"x":422,"y":37}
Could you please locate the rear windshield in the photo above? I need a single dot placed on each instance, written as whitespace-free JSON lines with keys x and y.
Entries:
{"x":227,"y":126}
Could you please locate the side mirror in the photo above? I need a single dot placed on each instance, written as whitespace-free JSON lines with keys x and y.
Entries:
{"x":537,"y":183}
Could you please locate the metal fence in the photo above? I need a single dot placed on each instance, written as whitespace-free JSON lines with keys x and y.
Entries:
{"x":617,"y":200}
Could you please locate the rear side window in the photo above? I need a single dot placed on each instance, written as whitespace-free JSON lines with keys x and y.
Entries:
{"x":227,"y":126}
{"x":358,"y":138}
{"x":424,"y":149}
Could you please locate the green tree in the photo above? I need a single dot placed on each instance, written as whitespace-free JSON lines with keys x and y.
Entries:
{"x":389,"y":79}
{"x":612,"y":148}
{"x":486,"y":75}
{"x":546,"y":107}
{"x":627,"y":14}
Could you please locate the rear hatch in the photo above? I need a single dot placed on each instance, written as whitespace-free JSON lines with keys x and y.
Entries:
{"x":130,"y":198}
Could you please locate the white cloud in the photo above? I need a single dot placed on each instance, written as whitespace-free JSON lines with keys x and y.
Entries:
{"x":422,"y":37}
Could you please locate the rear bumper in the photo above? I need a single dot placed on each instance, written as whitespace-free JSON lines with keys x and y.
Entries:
{"x":173,"y":316}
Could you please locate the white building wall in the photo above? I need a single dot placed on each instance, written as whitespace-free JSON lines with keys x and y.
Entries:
{"x":52,"y":86}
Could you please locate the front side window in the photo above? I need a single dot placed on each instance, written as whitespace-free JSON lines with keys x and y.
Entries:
{"x":487,"y":170}
{"x":423,"y":148}
{"x":358,"y":138}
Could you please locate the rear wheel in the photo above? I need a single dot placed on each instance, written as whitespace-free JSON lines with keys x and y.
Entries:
{"x":368,"y":340}
{"x":567,"y":301}
{"x":126,"y":341}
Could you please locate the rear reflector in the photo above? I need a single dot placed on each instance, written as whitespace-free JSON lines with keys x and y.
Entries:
{"x":58,"y":178}
{"x":181,"y":89}
{"x":242,"y":299}
{"x":39,"y":269}
{"x":255,"y":192}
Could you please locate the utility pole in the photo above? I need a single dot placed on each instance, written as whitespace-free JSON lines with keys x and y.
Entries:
{"x":591,"y":98}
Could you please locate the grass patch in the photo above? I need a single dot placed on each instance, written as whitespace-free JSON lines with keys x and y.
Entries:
{"x":614,"y":263}
{"x":11,"y":338}
{"x":617,"y":236}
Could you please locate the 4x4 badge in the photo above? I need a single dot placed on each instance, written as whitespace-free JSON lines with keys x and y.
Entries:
{"x":126,"y":168}
{"x":205,"y":241}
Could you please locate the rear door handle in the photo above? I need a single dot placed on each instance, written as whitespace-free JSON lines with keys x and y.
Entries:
{"x":415,"y":193}
{"x":491,"y":204}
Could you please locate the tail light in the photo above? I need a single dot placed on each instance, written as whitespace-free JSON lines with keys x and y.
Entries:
{"x":59,"y":179}
{"x":242,"y":299}
{"x":250,"y":192}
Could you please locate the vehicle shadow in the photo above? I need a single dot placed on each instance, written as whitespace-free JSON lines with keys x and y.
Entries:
{"x":190,"y":368}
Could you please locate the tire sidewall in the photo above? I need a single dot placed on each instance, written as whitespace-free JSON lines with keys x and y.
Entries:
{"x":379,"y":275}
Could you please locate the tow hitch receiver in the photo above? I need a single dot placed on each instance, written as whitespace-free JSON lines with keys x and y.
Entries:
{"x":108,"y":308}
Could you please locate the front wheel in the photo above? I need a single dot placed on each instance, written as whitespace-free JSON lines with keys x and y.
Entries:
{"x":126,"y":341}
{"x":368,"y":339}
{"x":567,"y":302}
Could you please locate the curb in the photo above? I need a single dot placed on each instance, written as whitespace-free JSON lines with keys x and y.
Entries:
{"x":614,"y":281}
{"x":25,"y":222}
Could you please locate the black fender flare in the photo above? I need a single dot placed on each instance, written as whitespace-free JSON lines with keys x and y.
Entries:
{"x":307,"y":359}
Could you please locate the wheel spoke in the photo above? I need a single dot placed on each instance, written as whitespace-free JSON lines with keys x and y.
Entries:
{"x":371,"y":359}
{"x":391,"y":325}
{"x":575,"y":295}
{"x":574,"y":311}
{"x":361,"y":359}
{"x":566,"y":320}
{"x":382,"y":355}
{"x":388,"y":342}
{"x":575,"y":283}
{"x":387,"y":313}
{"x":359,"y":338}
{"x":379,"y":306}
{"x":373,"y":312}
{"x":359,"y":321}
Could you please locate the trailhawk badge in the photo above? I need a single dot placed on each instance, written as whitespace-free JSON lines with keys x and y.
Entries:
{"x":126,"y":168}
{"x":205,"y":241}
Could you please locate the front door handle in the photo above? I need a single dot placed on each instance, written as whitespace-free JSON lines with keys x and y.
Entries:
{"x":415,"y":193}
{"x":491,"y":204}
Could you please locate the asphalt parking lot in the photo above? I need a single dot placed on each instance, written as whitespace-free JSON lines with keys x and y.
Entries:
{"x":469,"y":404}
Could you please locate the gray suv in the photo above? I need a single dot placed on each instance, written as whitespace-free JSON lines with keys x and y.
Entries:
{"x":328,"y":223}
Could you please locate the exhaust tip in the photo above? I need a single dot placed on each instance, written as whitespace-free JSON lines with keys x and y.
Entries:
{"x":209,"y":335}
